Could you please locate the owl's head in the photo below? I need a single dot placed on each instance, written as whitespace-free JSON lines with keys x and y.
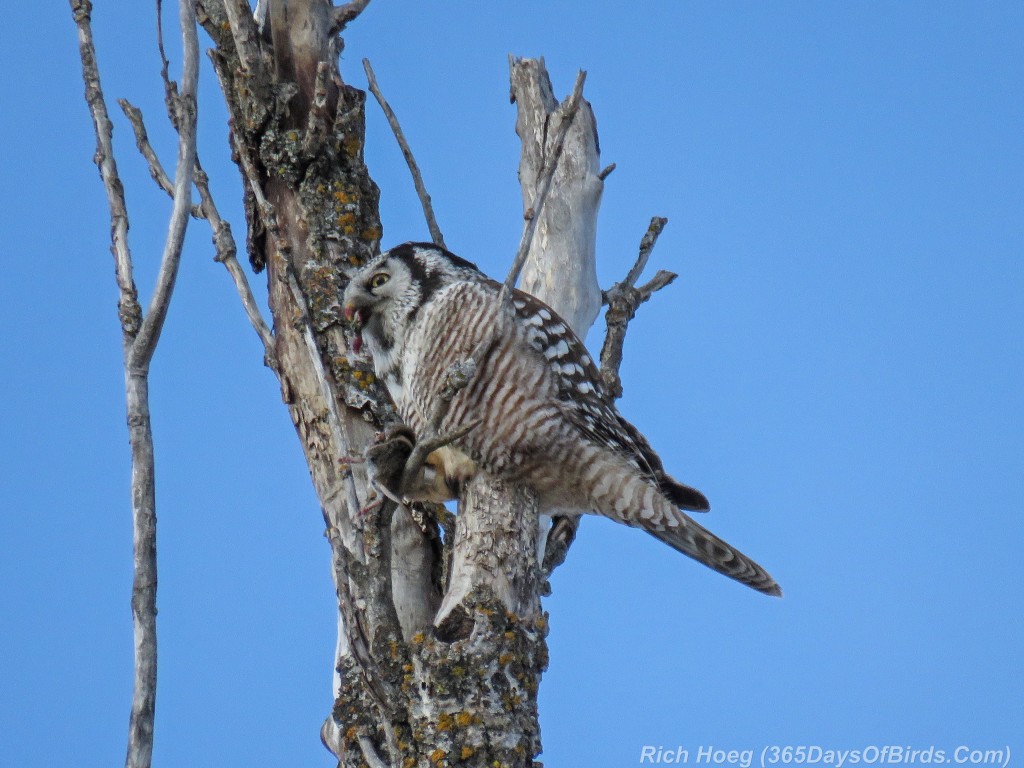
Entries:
{"x":384,"y":296}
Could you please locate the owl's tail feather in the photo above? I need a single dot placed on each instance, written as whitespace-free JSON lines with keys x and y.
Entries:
{"x":617,"y":490}
{"x":694,"y":540}
{"x":681,"y":495}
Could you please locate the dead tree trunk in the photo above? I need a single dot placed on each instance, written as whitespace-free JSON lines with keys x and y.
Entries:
{"x":441,"y":639}
{"x":434,"y":668}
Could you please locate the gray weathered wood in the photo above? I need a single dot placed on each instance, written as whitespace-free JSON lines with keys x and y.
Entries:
{"x":495,"y":548}
{"x":417,"y":178}
{"x":141,"y":332}
{"x":561,"y":190}
{"x":426,"y":675}
{"x":623,"y":299}
{"x":561,"y":264}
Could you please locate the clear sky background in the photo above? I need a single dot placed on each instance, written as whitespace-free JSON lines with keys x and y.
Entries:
{"x":839,"y":367}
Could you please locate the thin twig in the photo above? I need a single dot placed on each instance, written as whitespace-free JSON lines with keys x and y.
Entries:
{"x":223,"y":240}
{"x":428,"y":211}
{"x":343,"y":14}
{"x":128,"y":304}
{"x":156,"y":169}
{"x":170,"y":87}
{"x":534,"y":212}
{"x":145,"y":344}
{"x":661,"y":279}
{"x":227,"y":254}
{"x":647,"y":242}
{"x":623,"y":299}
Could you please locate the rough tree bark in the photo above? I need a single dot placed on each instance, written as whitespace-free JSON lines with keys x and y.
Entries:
{"x":441,"y":638}
{"x":417,"y":685}
{"x":408,"y":694}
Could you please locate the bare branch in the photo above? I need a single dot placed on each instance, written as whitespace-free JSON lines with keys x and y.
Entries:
{"x":428,"y":211}
{"x":227,"y":253}
{"x":170,"y":87}
{"x":144,"y":567}
{"x":128,"y":304}
{"x":140,"y":336}
{"x":646,"y":246}
{"x":535,"y":210}
{"x":140,"y":727}
{"x":145,"y":344}
{"x":156,"y":169}
{"x":343,"y":14}
{"x":561,"y":265}
{"x":223,"y":240}
{"x":661,"y":279}
{"x":137,"y":358}
{"x":623,"y":300}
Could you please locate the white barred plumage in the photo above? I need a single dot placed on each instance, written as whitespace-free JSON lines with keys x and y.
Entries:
{"x":544,"y":419}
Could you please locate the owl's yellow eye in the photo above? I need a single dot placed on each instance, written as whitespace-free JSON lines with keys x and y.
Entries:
{"x":379,"y":279}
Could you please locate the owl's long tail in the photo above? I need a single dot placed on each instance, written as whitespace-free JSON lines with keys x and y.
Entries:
{"x":696,"y":541}
{"x":619,"y":491}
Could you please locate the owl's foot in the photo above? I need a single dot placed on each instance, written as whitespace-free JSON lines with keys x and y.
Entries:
{"x":404,"y":469}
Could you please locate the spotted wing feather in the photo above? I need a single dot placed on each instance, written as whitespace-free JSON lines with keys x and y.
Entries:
{"x":586,"y":404}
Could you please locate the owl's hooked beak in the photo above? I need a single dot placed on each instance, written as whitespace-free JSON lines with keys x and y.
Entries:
{"x":356,"y":317}
{"x":352,"y":314}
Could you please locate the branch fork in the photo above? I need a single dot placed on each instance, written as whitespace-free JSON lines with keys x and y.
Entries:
{"x":623,"y":299}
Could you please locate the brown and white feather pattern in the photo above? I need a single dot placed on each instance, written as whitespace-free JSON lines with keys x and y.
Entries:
{"x":536,"y":391}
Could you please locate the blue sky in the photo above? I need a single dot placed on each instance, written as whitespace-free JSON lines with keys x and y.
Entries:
{"x":840,"y":367}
